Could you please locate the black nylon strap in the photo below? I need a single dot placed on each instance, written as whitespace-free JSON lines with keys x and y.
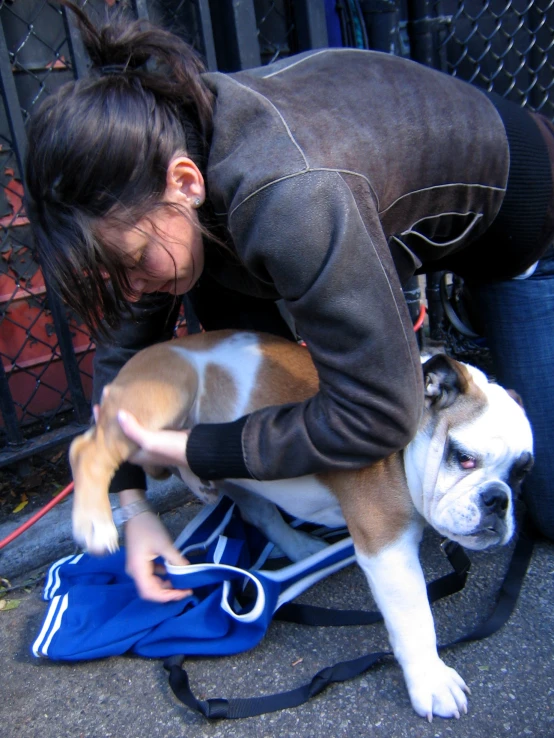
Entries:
{"x":248,"y":707}
{"x":293,"y":612}
{"x":509,"y":590}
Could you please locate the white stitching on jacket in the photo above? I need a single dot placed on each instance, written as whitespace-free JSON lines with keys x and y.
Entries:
{"x":439,"y":187}
{"x":298,"y":174}
{"x":284,"y":122}
{"x":322,"y":51}
{"x":467,"y":229}
{"x":416,"y":369}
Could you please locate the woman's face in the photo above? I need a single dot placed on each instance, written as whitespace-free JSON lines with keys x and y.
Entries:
{"x":163,"y":252}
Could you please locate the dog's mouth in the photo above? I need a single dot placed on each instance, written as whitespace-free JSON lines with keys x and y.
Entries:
{"x":486,"y":536}
{"x":492,"y":533}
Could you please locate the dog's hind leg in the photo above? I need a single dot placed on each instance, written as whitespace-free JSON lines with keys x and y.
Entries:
{"x":256,"y":510}
{"x":94,"y":462}
{"x":158,"y":387}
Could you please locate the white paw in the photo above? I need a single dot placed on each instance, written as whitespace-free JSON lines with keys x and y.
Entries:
{"x":97,"y":535}
{"x":436,"y":689}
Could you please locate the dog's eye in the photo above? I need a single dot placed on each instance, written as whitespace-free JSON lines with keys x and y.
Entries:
{"x":522,"y":468}
{"x":458,"y":457}
{"x":465,"y":460}
{"x":519,"y":474}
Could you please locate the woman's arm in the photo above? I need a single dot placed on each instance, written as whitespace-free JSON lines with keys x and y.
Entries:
{"x":146,"y":539}
{"x":318,"y":238}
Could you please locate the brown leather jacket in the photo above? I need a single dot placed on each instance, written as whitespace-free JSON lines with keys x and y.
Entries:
{"x":337,"y":174}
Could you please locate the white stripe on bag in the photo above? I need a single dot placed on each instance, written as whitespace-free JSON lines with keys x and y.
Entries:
{"x":57,"y":624}
{"x":51,"y":612}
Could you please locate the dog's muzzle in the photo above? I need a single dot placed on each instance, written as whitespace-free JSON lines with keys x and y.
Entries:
{"x":494,"y":504}
{"x":495,"y":499}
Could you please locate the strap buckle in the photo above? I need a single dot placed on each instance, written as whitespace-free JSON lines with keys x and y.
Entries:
{"x":456,"y":555}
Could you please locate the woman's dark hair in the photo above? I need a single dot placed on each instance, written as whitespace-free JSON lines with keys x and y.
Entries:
{"x":102,"y":145}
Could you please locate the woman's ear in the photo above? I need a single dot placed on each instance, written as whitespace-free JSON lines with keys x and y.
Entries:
{"x":185,"y":181}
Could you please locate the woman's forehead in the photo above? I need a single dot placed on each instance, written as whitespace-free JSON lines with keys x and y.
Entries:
{"x":119,"y":236}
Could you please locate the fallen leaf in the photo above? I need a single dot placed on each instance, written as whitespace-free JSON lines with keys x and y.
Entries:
{"x":23,"y":503}
{"x":6,"y":605}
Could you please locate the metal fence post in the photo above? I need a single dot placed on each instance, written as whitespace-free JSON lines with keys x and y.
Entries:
{"x":11,"y":105}
{"x":419,"y":32}
{"x":79,"y":56}
{"x":311,"y":25}
{"x":141,"y":9}
{"x":9,"y":412}
{"x":17,"y":130}
{"x":380,"y":17}
{"x":207,"y":35}
{"x":235,"y":34}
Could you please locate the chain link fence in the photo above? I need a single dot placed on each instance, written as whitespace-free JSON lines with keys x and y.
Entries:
{"x":46,"y":355}
{"x":501,"y":45}
{"x":34,"y":60}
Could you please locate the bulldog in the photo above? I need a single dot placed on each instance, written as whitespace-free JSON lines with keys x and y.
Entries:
{"x":459,"y":474}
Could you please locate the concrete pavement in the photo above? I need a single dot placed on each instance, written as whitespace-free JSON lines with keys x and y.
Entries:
{"x":511,"y":674}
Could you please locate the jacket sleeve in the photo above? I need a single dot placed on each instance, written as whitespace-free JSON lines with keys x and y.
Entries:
{"x":150,"y":320}
{"x":333,"y":268}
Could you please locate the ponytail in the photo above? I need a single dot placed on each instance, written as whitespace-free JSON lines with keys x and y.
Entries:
{"x":160,"y":60}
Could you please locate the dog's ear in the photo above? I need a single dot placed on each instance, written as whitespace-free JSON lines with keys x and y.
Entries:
{"x":514,"y":395}
{"x":444,"y":380}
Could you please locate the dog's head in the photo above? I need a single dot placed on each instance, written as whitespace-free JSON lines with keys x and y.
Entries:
{"x":470,"y":455}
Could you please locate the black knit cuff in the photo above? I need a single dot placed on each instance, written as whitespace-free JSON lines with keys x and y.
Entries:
{"x":128,"y":476}
{"x":214,"y":451}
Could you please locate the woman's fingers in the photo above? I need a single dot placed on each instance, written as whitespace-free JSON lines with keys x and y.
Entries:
{"x":151,"y":587}
{"x":132,"y":428}
{"x":155,"y":447}
{"x":146,"y":540}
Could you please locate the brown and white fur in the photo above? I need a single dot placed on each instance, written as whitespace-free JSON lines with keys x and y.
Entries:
{"x":474,"y":443}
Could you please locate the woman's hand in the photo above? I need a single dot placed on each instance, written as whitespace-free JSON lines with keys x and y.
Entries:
{"x":146,"y":538}
{"x":160,"y":448}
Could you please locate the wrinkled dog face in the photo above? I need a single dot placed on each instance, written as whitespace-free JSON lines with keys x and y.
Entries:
{"x":470,"y":456}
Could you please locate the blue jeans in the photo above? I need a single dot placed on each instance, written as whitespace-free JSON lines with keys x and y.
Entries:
{"x":518,"y":318}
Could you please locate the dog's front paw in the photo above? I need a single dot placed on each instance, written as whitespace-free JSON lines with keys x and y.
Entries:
{"x":96,"y":534}
{"x":436,"y":689}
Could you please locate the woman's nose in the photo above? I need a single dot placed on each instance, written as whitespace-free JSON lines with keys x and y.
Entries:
{"x":137,"y":285}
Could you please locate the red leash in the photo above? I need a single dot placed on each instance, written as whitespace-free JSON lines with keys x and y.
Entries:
{"x":22,"y":528}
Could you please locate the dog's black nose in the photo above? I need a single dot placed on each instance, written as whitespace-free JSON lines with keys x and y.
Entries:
{"x":495,"y":499}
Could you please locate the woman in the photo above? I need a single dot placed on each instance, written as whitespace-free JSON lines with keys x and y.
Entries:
{"x":324,"y":181}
